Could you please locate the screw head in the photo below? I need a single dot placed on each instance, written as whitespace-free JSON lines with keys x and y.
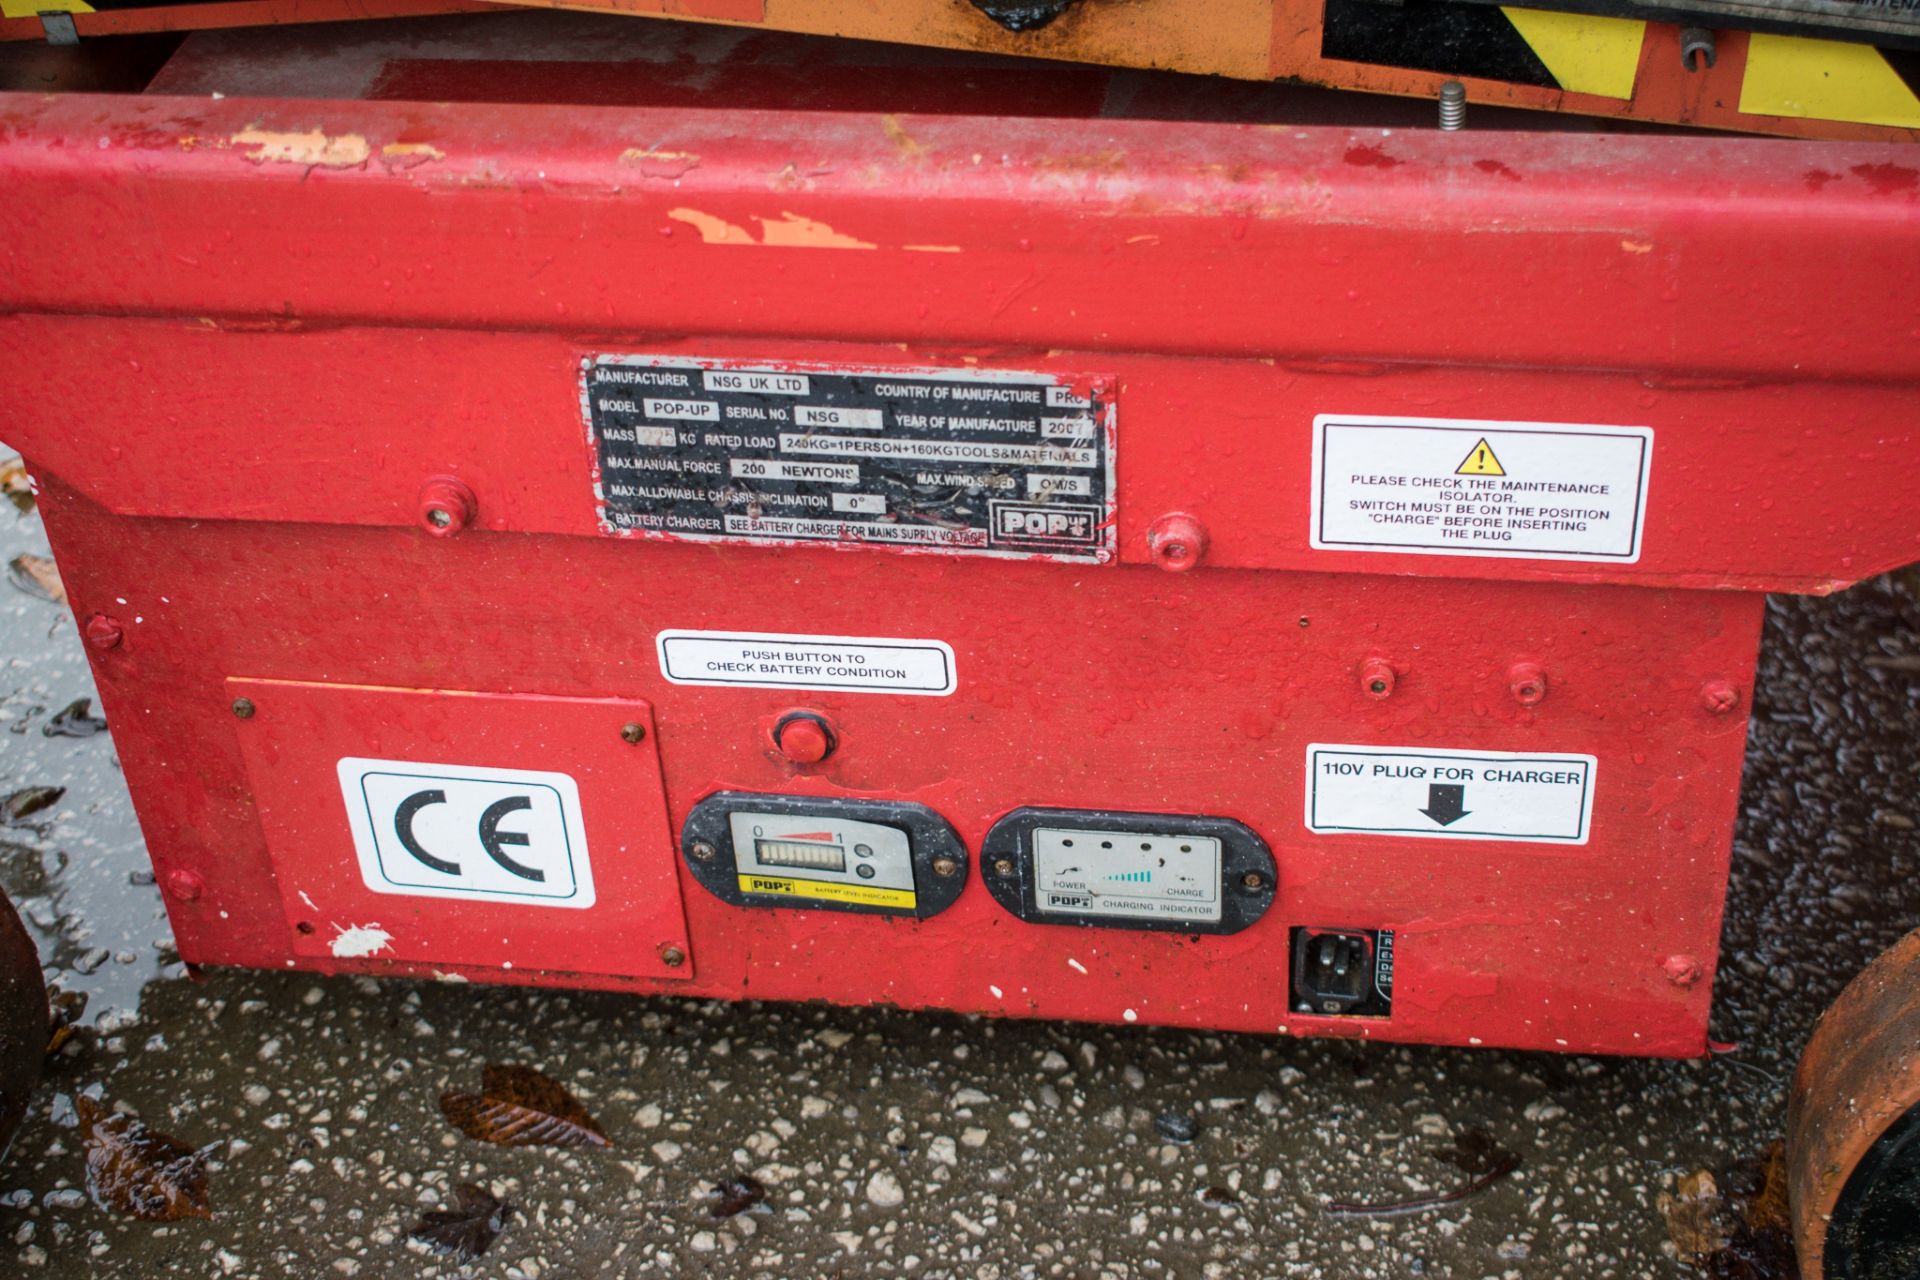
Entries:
{"x":633,"y":731}
{"x":945,"y":866}
{"x":447,"y":506}
{"x":243,"y":708}
{"x":1177,"y":542}
{"x":1719,"y":696}
{"x":1527,"y":682}
{"x":703,"y":850}
{"x":1377,"y":678}
{"x":1003,"y":866}
{"x":104,"y":632}
{"x":672,"y":956}
{"x":1684,"y":970}
{"x":185,"y":885}
{"x":1253,"y":882}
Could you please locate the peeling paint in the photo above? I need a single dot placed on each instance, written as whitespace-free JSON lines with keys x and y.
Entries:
{"x":314,"y":149}
{"x":901,"y":138}
{"x":1637,"y":246}
{"x":405,"y":155}
{"x":355,"y":941}
{"x":794,"y":231}
{"x":788,"y":231}
{"x":931,"y":248}
{"x":712,"y":230}
{"x":655,"y":162}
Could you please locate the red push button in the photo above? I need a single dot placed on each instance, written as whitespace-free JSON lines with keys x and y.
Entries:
{"x":804,"y":738}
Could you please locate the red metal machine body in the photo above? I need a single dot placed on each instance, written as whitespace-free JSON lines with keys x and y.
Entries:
{"x":330,"y":404}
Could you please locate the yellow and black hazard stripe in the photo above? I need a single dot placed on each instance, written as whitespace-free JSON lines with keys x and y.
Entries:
{"x":1580,"y":53}
{"x":1827,"y":80}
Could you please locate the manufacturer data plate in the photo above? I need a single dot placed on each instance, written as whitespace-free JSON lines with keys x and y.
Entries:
{"x":1450,"y":795}
{"x":966,"y":461}
{"x":1452,"y":487}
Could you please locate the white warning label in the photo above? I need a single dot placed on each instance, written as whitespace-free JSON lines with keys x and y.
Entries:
{"x":1449,"y":795}
{"x":769,"y":660}
{"x":1444,"y":486}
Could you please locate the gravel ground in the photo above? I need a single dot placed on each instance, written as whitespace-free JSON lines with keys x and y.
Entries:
{"x":921,"y":1145}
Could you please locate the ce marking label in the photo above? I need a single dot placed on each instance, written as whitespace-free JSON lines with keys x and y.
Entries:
{"x":467,"y":832}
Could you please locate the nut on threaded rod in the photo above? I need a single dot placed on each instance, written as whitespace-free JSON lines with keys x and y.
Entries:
{"x":1453,"y":105}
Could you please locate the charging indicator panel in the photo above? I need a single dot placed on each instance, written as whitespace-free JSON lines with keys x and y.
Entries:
{"x":1126,"y":875}
{"x":1172,"y":872}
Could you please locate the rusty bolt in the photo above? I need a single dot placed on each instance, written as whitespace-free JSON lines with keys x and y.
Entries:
{"x":1003,"y":866}
{"x":633,"y":731}
{"x":243,"y":708}
{"x":1697,"y":50}
{"x":1528,"y":683}
{"x":672,"y":956}
{"x":1683,"y":970}
{"x":104,"y":632}
{"x":185,"y":885}
{"x":1253,"y":882}
{"x":447,"y":506}
{"x":702,"y":850}
{"x":1376,"y":678}
{"x":1719,"y":696}
{"x":945,"y":866}
{"x":1176,"y":542}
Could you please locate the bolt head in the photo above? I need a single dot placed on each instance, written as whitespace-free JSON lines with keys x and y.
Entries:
{"x":945,"y":866}
{"x":1719,"y":696}
{"x":185,"y":885}
{"x":1003,"y":866}
{"x":447,"y":506}
{"x":104,"y":632}
{"x":1527,"y":682}
{"x":1377,"y":678}
{"x":703,"y":850}
{"x":672,"y":956}
{"x":1177,"y":542}
{"x":243,"y":708}
{"x":1253,"y":881}
{"x":1684,"y":970}
{"x":633,"y":731}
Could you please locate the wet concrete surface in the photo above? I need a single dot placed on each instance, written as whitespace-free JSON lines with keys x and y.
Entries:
{"x":898,"y":1144}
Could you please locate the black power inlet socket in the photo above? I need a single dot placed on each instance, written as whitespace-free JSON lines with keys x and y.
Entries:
{"x":1343,"y":972}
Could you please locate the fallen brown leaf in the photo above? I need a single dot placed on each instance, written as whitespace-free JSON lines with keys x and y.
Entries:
{"x":519,"y":1107}
{"x":467,"y":1231}
{"x":732,"y":1196}
{"x":1768,"y":1209}
{"x":134,"y":1170}
{"x":29,"y":800}
{"x":37,"y":576}
{"x":16,"y":484}
{"x":75,"y":720}
{"x":1693,"y":1210}
{"x":64,"y":1008}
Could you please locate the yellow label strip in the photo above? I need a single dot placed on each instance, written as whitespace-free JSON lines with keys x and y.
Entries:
{"x":865,"y":895}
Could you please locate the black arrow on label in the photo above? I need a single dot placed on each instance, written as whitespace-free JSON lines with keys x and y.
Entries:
{"x":1445,"y":801}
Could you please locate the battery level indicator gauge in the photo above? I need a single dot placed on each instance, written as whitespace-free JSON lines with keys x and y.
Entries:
{"x":811,"y":851}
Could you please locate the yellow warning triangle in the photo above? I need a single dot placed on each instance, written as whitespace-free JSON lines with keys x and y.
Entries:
{"x":1480,"y":462}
